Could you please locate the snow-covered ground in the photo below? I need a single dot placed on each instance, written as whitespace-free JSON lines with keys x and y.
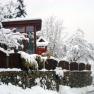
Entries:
{"x":11,"y":89}
{"x":9,"y":69}
{"x":69,"y":90}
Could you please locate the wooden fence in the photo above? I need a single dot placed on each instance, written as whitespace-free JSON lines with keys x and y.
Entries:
{"x":2,"y":60}
{"x":11,"y":61}
{"x":74,"y":66}
{"x":14,"y":61}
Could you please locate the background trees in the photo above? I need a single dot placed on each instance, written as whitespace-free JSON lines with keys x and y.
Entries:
{"x":74,"y":48}
{"x":78,"y":49}
{"x":52,"y":31}
{"x":20,"y":9}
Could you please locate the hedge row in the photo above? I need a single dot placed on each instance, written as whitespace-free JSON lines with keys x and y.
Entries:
{"x":47,"y":79}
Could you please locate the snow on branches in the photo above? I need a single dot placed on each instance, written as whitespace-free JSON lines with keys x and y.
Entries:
{"x":11,"y":40}
{"x":78,"y":49}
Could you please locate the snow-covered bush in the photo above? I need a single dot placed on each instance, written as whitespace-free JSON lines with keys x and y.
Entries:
{"x":29,"y":61}
{"x":12,"y":40}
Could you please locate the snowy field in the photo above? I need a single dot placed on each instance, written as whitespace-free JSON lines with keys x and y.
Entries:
{"x":11,"y":89}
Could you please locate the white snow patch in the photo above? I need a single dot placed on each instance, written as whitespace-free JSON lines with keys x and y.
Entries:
{"x":37,"y":81}
{"x":11,"y":89}
{"x":9,"y":69}
{"x":69,"y":90}
{"x":43,"y":69}
{"x":11,"y":39}
{"x":59,"y":72}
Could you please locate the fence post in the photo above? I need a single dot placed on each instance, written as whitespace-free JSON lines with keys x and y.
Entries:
{"x":7,"y":61}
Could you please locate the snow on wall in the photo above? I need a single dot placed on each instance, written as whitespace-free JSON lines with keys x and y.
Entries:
{"x":59,"y":72}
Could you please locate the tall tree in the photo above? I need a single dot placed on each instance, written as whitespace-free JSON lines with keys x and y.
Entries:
{"x":20,"y":9}
{"x":52,"y":30}
{"x":9,"y":10}
{"x":78,"y":49}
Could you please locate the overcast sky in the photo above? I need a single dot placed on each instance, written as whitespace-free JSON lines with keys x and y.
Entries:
{"x":75,"y":13}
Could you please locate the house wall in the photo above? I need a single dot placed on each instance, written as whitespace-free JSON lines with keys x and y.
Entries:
{"x":26,"y":26}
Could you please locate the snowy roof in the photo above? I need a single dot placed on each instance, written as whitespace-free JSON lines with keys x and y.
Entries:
{"x":22,"y":21}
{"x":19,"y":19}
{"x":42,"y":41}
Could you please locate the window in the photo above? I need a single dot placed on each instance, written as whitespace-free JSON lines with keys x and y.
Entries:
{"x":20,"y":29}
{"x":29,"y":29}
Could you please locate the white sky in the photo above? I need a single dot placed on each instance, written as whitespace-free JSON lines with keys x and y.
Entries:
{"x":75,"y":13}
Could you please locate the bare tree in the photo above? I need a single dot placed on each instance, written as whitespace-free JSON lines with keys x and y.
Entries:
{"x":52,"y":30}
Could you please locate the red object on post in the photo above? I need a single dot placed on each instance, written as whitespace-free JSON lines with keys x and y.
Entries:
{"x":42,"y":44}
{"x":41,"y":50}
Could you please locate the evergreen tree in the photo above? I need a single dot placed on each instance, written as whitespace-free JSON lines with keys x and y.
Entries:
{"x":20,"y":9}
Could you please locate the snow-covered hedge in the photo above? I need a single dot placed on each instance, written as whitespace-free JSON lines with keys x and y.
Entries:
{"x":47,"y":80}
{"x":29,"y":61}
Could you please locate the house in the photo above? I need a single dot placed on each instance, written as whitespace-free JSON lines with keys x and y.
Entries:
{"x":25,"y":26}
{"x":9,"y":59}
{"x":42,"y":44}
